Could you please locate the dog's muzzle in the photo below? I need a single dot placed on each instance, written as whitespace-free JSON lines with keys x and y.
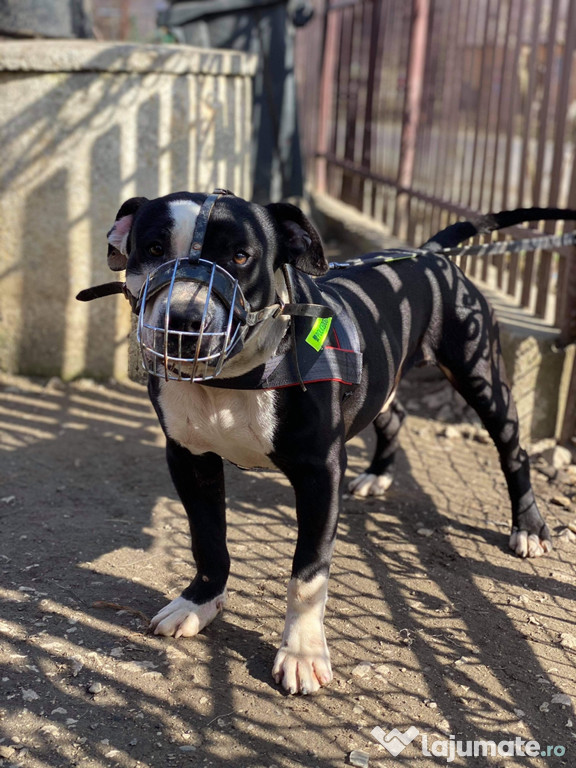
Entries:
{"x":199,"y":353}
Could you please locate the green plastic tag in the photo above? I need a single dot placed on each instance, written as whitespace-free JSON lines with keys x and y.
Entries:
{"x":319,"y":332}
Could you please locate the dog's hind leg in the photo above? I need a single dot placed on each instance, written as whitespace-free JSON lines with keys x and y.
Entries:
{"x":376,"y":480}
{"x":199,"y":481}
{"x":471,"y":358}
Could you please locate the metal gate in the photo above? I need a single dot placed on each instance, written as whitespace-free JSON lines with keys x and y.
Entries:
{"x":420,"y":112}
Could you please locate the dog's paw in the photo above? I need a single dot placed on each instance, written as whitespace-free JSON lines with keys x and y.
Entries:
{"x":304,"y":669}
{"x":368,"y":484}
{"x":183,"y":618}
{"x":302,"y":664}
{"x":525,"y":544}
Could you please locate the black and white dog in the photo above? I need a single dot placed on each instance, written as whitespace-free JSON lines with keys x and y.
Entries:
{"x":290,"y":368}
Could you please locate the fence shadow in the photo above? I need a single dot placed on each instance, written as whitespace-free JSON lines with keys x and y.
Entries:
{"x":447,"y":632}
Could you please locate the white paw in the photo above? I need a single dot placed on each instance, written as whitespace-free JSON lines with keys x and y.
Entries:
{"x":367,"y":484}
{"x":304,"y":665}
{"x":528,"y":545}
{"x":183,"y":618}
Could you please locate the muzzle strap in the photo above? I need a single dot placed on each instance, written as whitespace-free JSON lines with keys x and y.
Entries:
{"x":291,"y":309}
{"x":202,"y":223}
{"x":108,"y":289}
{"x":98,"y":291}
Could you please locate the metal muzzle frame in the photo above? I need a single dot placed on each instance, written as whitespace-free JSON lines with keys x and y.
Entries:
{"x":177,"y":354}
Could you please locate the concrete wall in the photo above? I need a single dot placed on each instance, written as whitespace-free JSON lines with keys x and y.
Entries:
{"x":535,"y":371}
{"x":83,"y":126}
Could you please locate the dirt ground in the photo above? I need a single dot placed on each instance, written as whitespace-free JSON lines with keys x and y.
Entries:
{"x":432,"y":623}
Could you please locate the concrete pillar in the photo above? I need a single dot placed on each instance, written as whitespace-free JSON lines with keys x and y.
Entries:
{"x":83,"y":126}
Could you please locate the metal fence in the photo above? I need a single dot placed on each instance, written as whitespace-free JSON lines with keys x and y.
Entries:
{"x":421,"y":112}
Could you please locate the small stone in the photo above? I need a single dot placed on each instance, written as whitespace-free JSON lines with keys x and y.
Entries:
{"x":561,"y":501}
{"x":6,"y":752}
{"x":76,"y":666}
{"x":557,"y":456}
{"x":187,"y":748}
{"x":95,"y":688}
{"x":363,"y":669}
{"x":537,"y":448}
{"x":568,"y":534}
{"x":563,"y":699}
{"x":431,"y":705}
{"x":450,"y":432}
{"x":133,"y":743}
{"x":572,"y":527}
{"x":544,"y":707}
{"x":59,"y":711}
{"x":29,"y":695}
{"x":546,"y":470}
{"x":567,"y":640}
{"x":520,"y":713}
{"x":426,"y":532}
{"x":359,"y":758}
{"x":571,"y":474}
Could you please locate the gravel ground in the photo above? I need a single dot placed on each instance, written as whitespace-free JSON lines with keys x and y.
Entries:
{"x":432,"y":623}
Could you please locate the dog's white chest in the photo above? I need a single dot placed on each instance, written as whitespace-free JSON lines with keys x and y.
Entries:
{"x":237,"y":425}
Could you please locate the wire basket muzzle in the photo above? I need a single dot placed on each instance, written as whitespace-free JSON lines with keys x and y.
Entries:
{"x":195,"y":348}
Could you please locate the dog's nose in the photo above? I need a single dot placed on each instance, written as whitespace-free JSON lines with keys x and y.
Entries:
{"x":184,"y":315}
{"x":185,"y":321}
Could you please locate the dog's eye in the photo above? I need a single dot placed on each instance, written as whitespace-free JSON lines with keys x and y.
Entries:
{"x":156,"y":250}
{"x":241,"y":258}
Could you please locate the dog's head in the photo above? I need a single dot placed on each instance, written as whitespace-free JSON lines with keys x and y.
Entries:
{"x":244,"y":247}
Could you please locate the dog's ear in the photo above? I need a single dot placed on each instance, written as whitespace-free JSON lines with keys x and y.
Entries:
{"x":301,"y":239}
{"x":120,"y":232}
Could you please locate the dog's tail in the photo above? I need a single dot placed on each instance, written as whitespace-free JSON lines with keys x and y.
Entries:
{"x":463,"y":230}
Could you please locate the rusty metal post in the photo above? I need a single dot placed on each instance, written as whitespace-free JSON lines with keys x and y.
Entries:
{"x":412,"y":109}
{"x":124,"y":29}
{"x":326,"y":105}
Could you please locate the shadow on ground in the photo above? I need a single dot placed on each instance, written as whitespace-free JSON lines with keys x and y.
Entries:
{"x":431,"y":622}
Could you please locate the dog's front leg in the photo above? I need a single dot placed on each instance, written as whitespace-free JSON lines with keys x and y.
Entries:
{"x":199,"y":481}
{"x":302,"y":663}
